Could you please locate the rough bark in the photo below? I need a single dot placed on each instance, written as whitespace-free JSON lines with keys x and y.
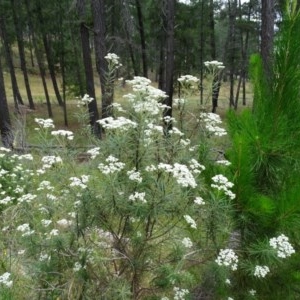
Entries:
{"x":267,"y":34}
{"x":19,"y":34}
{"x":49,"y":55}
{"x":142,"y":37}
{"x":7,"y":48}
{"x":170,"y":21}
{"x":88,"y":68}
{"x":39,"y":59}
{"x":5,"y":124}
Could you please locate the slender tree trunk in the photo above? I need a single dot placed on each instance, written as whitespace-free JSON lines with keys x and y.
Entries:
{"x":16,"y":93}
{"x":88,"y":68}
{"x":5,"y":124}
{"x":107,"y":92}
{"x":49,"y":56}
{"x":128,"y":28}
{"x":142,"y":37}
{"x":39,"y":60}
{"x":170,"y":20}
{"x":201,"y":51}
{"x":231,"y":48}
{"x":267,"y":34}
{"x":15,"y":4}
{"x":213,"y":50}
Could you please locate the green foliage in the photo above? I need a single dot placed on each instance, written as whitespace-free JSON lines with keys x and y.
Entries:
{"x":265,"y":159}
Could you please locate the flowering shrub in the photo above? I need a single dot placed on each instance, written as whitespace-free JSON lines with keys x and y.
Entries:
{"x":144,"y":217}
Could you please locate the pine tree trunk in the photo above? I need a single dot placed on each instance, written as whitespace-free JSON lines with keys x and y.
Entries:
{"x":88,"y":69}
{"x":142,"y":37}
{"x":170,"y":20}
{"x":19,"y":34}
{"x":46,"y":43}
{"x":5,"y":125}
{"x":39,"y":60}
{"x":16,"y":93}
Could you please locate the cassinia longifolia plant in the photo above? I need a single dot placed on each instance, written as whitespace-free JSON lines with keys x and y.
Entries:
{"x":142,"y":218}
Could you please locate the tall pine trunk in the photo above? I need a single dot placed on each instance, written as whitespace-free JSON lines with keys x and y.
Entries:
{"x":7,"y":47}
{"x":5,"y":124}
{"x":49,"y":54}
{"x":19,"y":34}
{"x":39,"y":59}
{"x":88,"y":68}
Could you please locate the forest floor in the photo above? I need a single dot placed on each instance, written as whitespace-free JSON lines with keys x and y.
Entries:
{"x":120,"y":90}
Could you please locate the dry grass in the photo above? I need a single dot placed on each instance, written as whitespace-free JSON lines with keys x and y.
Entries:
{"x":41,"y":108}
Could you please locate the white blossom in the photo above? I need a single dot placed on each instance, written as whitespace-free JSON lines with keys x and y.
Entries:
{"x":199,"y":201}
{"x":190,"y":221}
{"x":65,"y":133}
{"x":138,"y":196}
{"x":135,"y":176}
{"x":44,"y":123}
{"x":261,"y":271}
{"x":113,"y":165}
{"x":227,"y":258}
{"x":94,"y":152}
{"x":5,"y":279}
{"x":187,"y":242}
{"x":282,"y":245}
{"x":120,"y":123}
{"x":179,"y":294}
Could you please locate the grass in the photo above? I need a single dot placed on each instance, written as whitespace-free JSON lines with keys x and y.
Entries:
{"x":27,"y":119}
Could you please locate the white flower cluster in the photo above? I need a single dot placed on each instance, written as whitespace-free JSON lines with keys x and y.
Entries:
{"x":181,"y":173}
{"x":45,"y":185}
{"x":261,"y":271}
{"x":223,"y":162}
{"x":45,"y":222}
{"x":94,"y":152}
{"x":212,"y":121}
{"x":138,"y":196}
{"x":199,"y":201}
{"x":65,"y":133}
{"x":227,"y":258}
{"x":188,"y":79}
{"x":64,"y":223}
{"x":146,"y":98}
{"x":25,"y":228}
{"x":214,"y":64}
{"x":27,"y":198}
{"x":114,"y":59}
{"x":113,"y":165}
{"x":4,"y":279}
{"x":135,"y":176}
{"x":86,"y":99}
{"x":221,"y":183}
{"x":25,"y":156}
{"x":282,"y":246}
{"x":190,"y":221}
{"x":44,"y":123}
{"x":187,"y":243}
{"x":80,"y":182}
{"x":120,"y":123}
{"x":48,"y":162}
{"x":179,"y":294}
{"x":7,"y":200}
{"x":196,"y":167}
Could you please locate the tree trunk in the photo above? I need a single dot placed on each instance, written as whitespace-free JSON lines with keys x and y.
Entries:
{"x":231,"y":48}
{"x":142,"y":37}
{"x":49,"y":55}
{"x":267,"y":34}
{"x":170,"y":20}
{"x":128,"y":28}
{"x":5,"y":125}
{"x":16,"y":93}
{"x":98,"y":10}
{"x":15,"y":4}
{"x":39,"y":60}
{"x":88,"y":69}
